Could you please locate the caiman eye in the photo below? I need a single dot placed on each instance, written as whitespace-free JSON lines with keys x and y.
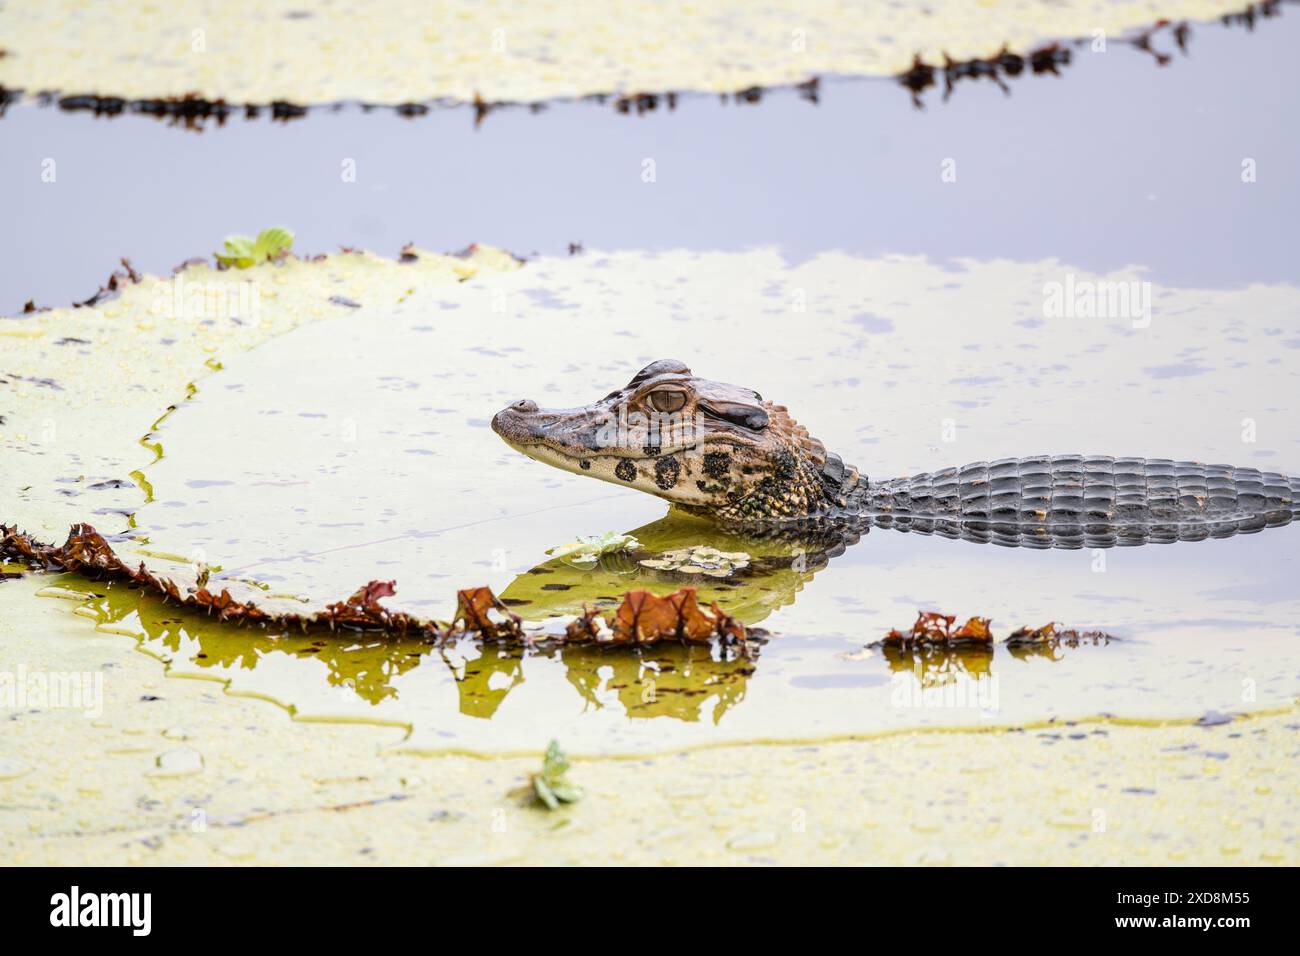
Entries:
{"x":667,"y":400}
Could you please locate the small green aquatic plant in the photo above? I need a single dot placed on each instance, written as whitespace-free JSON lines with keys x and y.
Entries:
{"x":588,"y":549}
{"x":243,"y":252}
{"x":550,"y":786}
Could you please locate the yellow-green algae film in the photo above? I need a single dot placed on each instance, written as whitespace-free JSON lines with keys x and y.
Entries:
{"x":84,"y":386}
{"x":356,"y":446}
{"x":242,"y":51}
{"x":166,"y":772}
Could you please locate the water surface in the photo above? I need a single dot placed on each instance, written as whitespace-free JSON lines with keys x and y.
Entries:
{"x":811,"y":251}
{"x":386,"y":468}
{"x":1115,"y":162}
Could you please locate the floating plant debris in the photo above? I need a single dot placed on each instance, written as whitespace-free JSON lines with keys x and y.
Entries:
{"x":478,"y":609}
{"x":1050,"y":636}
{"x":340,"y":54}
{"x":192,"y":111}
{"x":647,"y":618}
{"x":1028,"y":636}
{"x":999,"y":67}
{"x":643,"y":617}
{"x":932,"y":628}
{"x":105,"y":292}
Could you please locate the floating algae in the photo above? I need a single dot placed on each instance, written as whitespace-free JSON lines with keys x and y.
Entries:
{"x":270,"y":52}
{"x":1206,"y":627}
{"x":83,"y":385}
{"x":381,"y":466}
{"x":79,"y":791}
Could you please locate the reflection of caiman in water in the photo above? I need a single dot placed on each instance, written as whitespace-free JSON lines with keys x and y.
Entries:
{"x":723,"y":453}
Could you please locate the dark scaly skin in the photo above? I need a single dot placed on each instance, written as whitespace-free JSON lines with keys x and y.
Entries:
{"x":1074,"y":501}
{"x":722,"y":452}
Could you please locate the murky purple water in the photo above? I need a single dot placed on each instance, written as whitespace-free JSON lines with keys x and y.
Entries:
{"x":1115,"y":162}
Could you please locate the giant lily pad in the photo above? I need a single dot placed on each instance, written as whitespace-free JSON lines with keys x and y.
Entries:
{"x":272,"y":50}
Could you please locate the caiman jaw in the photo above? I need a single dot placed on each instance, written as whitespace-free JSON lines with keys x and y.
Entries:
{"x":715,"y":449}
{"x":562,"y":438}
{"x":593,"y":441}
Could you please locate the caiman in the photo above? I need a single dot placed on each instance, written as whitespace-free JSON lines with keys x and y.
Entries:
{"x":723,"y":452}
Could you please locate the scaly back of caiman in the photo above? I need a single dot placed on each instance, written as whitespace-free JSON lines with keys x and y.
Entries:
{"x":723,"y":452}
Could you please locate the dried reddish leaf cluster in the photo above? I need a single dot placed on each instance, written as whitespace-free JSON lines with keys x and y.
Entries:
{"x":647,"y":618}
{"x":478,"y":609}
{"x":87,"y":553}
{"x":1049,"y":635}
{"x":643,"y":617}
{"x":1032,"y":635}
{"x":1003,"y":65}
{"x":932,"y":628}
{"x":111,"y":288}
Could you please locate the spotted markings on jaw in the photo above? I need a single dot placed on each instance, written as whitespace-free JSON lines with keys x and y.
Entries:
{"x":717,"y":464}
{"x":667,"y":471}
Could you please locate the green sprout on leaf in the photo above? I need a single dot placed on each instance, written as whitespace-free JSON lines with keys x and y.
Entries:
{"x":550,"y":786}
{"x":243,"y":252}
{"x":587,"y":551}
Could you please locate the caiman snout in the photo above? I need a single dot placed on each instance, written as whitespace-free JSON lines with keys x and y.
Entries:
{"x":513,"y":422}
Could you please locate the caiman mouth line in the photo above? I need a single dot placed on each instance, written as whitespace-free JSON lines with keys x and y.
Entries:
{"x":751,"y":466}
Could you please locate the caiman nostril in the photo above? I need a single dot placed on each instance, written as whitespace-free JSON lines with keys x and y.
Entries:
{"x":524,"y":405}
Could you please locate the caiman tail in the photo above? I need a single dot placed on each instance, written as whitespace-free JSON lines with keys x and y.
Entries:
{"x":1078,"y":501}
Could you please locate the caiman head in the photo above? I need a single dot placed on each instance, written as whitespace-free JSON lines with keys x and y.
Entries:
{"x":712,"y":449}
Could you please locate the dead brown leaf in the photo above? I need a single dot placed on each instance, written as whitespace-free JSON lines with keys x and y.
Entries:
{"x":642,"y":618}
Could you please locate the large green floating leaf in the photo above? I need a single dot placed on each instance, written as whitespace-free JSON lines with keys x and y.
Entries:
{"x":347,"y":51}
